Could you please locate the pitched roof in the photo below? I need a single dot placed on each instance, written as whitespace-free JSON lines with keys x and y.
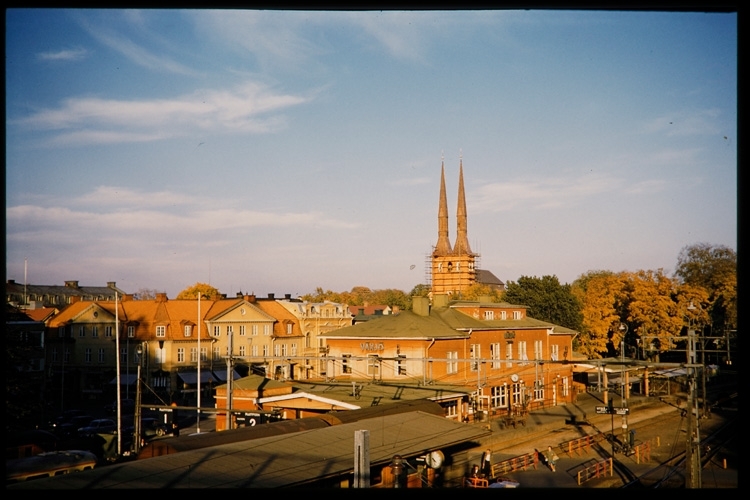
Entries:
{"x":486,"y":277}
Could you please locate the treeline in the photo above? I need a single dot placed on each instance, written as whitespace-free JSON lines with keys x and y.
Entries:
{"x":643,"y":310}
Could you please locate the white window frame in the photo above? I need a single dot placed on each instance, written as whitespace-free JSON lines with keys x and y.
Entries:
{"x":217,"y":330}
{"x":266,"y":350}
{"x":254,"y":330}
{"x":516,"y":314}
{"x":242,"y":331}
{"x":204,"y":354}
{"x":266,"y":329}
{"x":255,"y":350}
{"x":131,"y":332}
{"x":489,"y":315}
{"x":538,"y":347}
{"x":451,"y":366}
{"x":495,"y":354}
{"x":242,"y":350}
{"x":193,"y":354}
{"x":475,"y":353}
{"x":180,"y":354}
{"x":188,"y":330}
{"x":522,"y":352}
{"x":499,"y":396}
{"x":289,"y":327}
{"x":516,"y":393}
{"x":95,"y":331}
{"x":539,"y":389}
{"x":161,"y":331}
{"x":373,"y":365}
{"x":400,"y":368}
{"x":108,"y":331}
{"x":346,"y":363}
{"x":230,"y":330}
{"x":503,"y":315}
{"x":554,"y":354}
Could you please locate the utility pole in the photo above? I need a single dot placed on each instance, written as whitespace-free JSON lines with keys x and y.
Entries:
{"x":692,"y":446}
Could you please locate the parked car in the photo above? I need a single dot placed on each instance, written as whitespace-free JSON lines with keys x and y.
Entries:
{"x":49,"y":464}
{"x":150,"y":428}
{"x":99,"y":426}
{"x":70,"y":427}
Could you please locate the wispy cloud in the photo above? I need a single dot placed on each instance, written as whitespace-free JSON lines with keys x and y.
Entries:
{"x":541,"y":195}
{"x":63,"y":55}
{"x":247,"y":108}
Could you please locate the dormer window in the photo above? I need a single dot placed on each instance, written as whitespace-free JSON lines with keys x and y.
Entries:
{"x":161,"y":331}
{"x":489,"y":315}
{"x":289,"y":328}
{"x":516,"y":314}
{"x":188,"y":330}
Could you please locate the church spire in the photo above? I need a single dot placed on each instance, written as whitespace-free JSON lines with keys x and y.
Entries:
{"x":462,"y":241}
{"x":443,"y":246}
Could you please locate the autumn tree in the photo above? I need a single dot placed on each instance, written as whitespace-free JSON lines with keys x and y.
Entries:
{"x":476,"y":291}
{"x":205,"y":290}
{"x":597,"y":292}
{"x":546,"y":299}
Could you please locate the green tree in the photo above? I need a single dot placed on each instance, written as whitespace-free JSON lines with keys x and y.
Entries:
{"x":476,"y":291}
{"x":713,"y":268}
{"x":546,"y":299}
{"x":205,"y":290}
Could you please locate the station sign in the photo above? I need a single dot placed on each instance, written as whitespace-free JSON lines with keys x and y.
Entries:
{"x":610,"y":410}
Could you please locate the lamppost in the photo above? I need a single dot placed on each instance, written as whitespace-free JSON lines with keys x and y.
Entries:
{"x":624,"y":329}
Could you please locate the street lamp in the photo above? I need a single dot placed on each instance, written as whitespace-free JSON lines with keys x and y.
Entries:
{"x":624,"y":329}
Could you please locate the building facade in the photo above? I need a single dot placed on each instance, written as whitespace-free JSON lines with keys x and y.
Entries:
{"x":511,"y":362}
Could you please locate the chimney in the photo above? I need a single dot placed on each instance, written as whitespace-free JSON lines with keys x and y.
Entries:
{"x":440,"y":300}
{"x":250,"y":298}
{"x":421,"y":306}
{"x":287,"y":296}
{"x":271,"y":296}
{"x":126,"y":297}
{"x":11,"y":282}
{"x":111,"y":284}
{"x":74,"y":299}
{"x":161,"y":297}
{"x":71,"y":284}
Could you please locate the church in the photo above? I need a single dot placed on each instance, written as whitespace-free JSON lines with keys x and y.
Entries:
{"x":454,"y":267}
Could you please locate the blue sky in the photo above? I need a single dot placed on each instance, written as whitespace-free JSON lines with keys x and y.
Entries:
{"x":279,"y":151}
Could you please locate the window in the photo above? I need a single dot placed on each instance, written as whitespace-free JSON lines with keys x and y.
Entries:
{"x":522,"y":351}
{"x":242,"y":330}
{"x":499,"y":396}
{"x":242,"y":350}
{"x":81,"y":331}
{"x":401,"y":365}
{"x":284,"y":349}
{"x":204,"y":354}
{"x":288,"y":328}
{"x":66,"y":357}
{"x":255,"y":329}
{"x":489,"y":315}
{"x":61,"y":331}
{"x":516,"y":314}
{"x":54,"y":354}
{"x":346,"y":366}
{"x":539,"y":389}
{"x":294,"y":349}
{"x":193,"y":354}
{"x":124,"y":355}
{"x":161,"y":331}
{"x":87,"y":355}
{"x":266,"y":329}
{"x":565,"y":387}
{"x":276,"y":350}
{"x":265,"y":350}
{"x":101,"y":355}
{"x":180,"y":354}
{"x":95,"y":331}
{"x":452,"y":364}
{"x":538,"y":349}
{"x":373,"y":365}
{"x":215,"y":353}
{"x":495,"y":354}
{"x":554,"y":352}
{"x":217,"y":331}
{"x":451,"y":409}
{"x":107,"y":331}
{"x":131,"y":332}
{"x":509,"y":355}
{"x":503,"y":315}
{"x":230,"y":330}
{"x":517,"y":393}
{"x":160,"y":356}
{"x":188,"y":330}
{"x":255,"y":351}
{"x":475,"y":354}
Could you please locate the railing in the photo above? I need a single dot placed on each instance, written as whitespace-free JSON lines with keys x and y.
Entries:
{"x":584,"y":443}
{"x":476,"y":482}
{"x":597,"y":470}
{"x":514,"y":464}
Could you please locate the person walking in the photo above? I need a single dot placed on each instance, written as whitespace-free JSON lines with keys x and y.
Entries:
{"x":486,"y":464}
{"x":551,"y":458}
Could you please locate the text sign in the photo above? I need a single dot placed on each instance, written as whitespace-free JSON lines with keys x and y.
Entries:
{"x":606,"y":410}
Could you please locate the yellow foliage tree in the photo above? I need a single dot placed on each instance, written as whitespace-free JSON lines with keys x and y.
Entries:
{"x":597,"y":291}
{"x":205,"y":290}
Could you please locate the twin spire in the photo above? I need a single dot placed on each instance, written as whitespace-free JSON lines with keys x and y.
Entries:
{"x":443,"y":246}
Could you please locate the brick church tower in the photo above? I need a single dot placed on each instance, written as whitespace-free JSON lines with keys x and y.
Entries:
{"x":452,"y":266}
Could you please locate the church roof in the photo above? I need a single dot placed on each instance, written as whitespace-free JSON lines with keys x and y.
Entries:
{"x":486,"y":277}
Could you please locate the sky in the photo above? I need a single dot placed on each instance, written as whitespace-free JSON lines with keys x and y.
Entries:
{"x":285,"y":151}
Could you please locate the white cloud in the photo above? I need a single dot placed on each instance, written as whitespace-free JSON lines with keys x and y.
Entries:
{"x":63,"y":55}
{"x":246,"y":108}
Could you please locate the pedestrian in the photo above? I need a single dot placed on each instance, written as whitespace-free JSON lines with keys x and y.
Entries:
{"x":551,"y":458}
{"x":486,"y":464}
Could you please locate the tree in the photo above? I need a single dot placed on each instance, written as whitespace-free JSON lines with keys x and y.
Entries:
{"x":205,"y":290}
{"x":597,"y":292}
{"x":476,"y":291}
{"x":546,"y":299}
{"x":145,"y":294}
{"x":714,"y":268}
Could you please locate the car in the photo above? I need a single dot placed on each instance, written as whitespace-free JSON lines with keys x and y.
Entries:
{"x":70,"y":427}
{"x":150,"y":428}
{"x":99,"y":426}
{"x":48,"y":464}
